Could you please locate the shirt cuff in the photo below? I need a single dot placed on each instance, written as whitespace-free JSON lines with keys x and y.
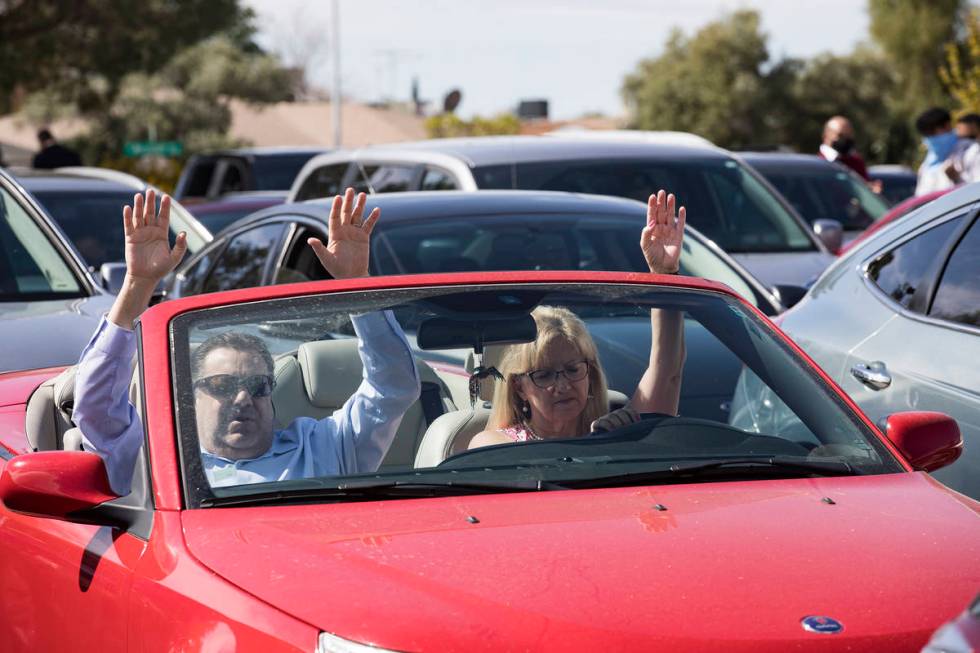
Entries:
{"x":114,"y":340}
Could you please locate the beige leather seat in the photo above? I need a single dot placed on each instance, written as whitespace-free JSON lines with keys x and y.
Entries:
{"x":320,"y":377}
{"x":452,"y":432}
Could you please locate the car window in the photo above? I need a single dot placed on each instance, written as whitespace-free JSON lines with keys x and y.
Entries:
{"x":30,"y":265}
{"x":278,"y":172}
{"x":724,"y":201}
{"x":902,"y":270}
{"x":828,"y":195}
{"x":191,"y":282}
{"x":233,"y":179}
{"x":436,"y":179}
{"x":538,"y":242}
{"x":957,"y":297}
{"x":91,"y":222}
{"x":244,"y":260}
{"x":300,"y":262}
{"x":199,"y":180}
{"x":745,"y":395}
{"x":386,"y":178}
{"x":323,"y":182}
{"x":495,"y":177}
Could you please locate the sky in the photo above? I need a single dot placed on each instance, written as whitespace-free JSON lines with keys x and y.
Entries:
{"x":574,"y":53}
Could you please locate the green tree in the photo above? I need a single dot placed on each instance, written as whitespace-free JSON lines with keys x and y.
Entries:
{"x":81,"y":50}
{"x":448,"y":125}
{"x":713,"y":84}
{"x":961,"y":70}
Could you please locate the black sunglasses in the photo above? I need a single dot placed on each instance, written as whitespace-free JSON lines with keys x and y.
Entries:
{"x":223,"y":386}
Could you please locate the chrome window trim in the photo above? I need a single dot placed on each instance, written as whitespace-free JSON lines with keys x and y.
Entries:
{"x":891,"y":304}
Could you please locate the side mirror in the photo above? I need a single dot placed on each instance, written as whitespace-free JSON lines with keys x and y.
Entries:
{"x":788,"y":295}
{"x":113,"y":275}
{"x":55,"y":484}
{"x":830,"y":233}
{"x":928,"y":440}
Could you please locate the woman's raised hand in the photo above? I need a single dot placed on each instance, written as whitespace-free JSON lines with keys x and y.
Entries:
{"x":348,"y":250}
{"x":662,"y":237}
{"x":149,"y":257}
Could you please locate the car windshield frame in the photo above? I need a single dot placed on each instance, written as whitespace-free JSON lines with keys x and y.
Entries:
{"x":821,"y":403}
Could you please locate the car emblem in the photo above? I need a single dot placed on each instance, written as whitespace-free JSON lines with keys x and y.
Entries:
{"x":822,"y":625}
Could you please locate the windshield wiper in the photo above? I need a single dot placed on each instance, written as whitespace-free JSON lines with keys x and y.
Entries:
{"x":373,"y":489}
{"x":741,"y":467}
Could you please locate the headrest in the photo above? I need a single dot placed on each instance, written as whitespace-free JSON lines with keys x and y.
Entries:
{"x":331,"y":369}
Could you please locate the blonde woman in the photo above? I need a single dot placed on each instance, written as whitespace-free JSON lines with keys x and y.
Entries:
{"x":554,"y":387}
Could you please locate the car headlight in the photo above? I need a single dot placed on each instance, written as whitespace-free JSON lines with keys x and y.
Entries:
{"x":328,"y":643}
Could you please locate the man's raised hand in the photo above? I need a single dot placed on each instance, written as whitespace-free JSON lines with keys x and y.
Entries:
{"x":348,"y":250}
{"x":149,"y":257}
{"x":662,"y":237}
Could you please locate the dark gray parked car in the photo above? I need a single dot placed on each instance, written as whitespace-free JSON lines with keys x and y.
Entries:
{"x":727,"y":200}
{"x":49,"y":303}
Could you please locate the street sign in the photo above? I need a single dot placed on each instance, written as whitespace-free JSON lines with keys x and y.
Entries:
{"x":157,"y":148}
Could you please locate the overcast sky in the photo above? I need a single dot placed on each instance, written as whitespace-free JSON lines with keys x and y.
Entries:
{"x":574,"y":53}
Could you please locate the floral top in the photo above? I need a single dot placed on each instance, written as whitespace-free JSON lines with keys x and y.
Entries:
{"x":519,"y":433}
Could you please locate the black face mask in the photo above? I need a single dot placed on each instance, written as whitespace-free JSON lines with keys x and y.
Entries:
{"x":843,"y":145}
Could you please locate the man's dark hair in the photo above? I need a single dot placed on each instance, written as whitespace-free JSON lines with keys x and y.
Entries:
{"x":44,"y":134}
{"x":970,"y":119}
{"x":230,"y":340}
{"x":932,"y":119}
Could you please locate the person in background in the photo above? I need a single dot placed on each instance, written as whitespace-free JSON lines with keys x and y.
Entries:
{"x":53,"y":154}
{"x":968,"y":126}
{"x":950,"y":160}
{"x":838,"y":146}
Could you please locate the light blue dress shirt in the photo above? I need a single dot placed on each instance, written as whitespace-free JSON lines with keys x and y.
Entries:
{"x":354,"y":439}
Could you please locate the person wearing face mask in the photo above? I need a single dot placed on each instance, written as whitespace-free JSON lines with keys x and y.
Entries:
{"x":838,"y":146}
{"x":950,"y":159}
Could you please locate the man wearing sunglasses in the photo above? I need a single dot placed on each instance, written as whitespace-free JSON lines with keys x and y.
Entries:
{"x":233,"y":372}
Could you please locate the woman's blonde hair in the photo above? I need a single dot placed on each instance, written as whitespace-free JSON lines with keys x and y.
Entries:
{"x":552,"y":323}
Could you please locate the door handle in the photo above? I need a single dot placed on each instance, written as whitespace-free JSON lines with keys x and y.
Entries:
{"x":875,"y":375}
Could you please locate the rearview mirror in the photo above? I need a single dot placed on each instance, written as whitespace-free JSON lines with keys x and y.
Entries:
{"x":58,"y":484}
{"x":447,"y":333}
{"x":830,"y":233}
{"x":928,"y":440}
{"x":788,"y":295}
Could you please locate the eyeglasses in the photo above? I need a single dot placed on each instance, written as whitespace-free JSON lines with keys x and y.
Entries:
{"x":223,"y":386}
{"x":574,"y":371}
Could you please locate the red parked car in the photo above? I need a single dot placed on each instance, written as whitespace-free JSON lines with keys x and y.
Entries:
{"x":720,"y":528}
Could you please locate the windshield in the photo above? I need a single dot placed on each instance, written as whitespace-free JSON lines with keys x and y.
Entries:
{"x":277,"y":172}
{"x":31,"y":268}
{"x":724,"y":201}
{"x":306,"y":425}
{"x":828,"y":195}
{"x":476,"y":243}
{"x":91,"y":222}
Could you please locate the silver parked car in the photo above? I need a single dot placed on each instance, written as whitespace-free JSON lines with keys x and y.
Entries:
{"x":49,"y":302}
{"x":896,"y":322}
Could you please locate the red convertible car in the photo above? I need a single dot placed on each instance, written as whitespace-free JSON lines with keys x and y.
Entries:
{"x":718,"y":528}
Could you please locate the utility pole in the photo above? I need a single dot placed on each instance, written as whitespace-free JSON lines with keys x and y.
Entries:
{"x":335,"y":94}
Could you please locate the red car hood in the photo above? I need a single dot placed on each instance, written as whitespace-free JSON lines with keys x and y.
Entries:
{"x":726,"y":565}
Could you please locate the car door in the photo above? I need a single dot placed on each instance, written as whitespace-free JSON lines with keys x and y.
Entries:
{"x":66,"y":586}
{"x":925,"y":356}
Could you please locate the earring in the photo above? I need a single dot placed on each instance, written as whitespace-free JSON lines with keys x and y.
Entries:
{"x":526,"y":409}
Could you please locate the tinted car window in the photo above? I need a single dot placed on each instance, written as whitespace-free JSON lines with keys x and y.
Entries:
{"x":902,"y":270}
{"x":384,"y":178}
{"x":490,"y":177}
{"x":30,"y":266}
{"x":242,"y":263}
{"x":193,"y":279}
{"x":322,"y":182}
{"x":820,"y":194}
{"x":724,"y":201}
{"x":958,"y":295}
{"x":278,"y":172}
{"x":538,"y":242}
{"x":200,"y":178}
{"x":436,"y":179}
